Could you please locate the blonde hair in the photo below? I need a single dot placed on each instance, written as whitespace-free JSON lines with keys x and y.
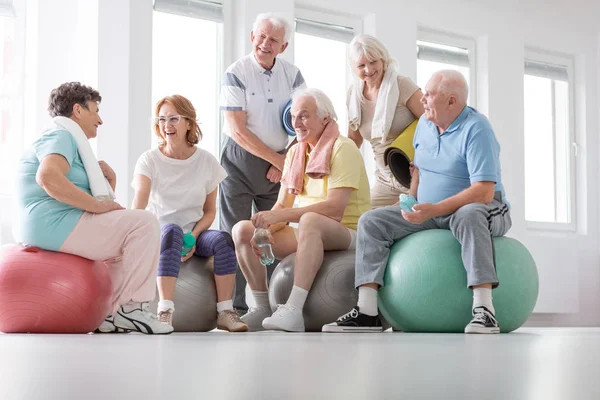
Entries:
{"x":373,"y":50}
{"x":184,"y":108}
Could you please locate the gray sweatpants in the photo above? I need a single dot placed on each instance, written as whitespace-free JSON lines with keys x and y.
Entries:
{"x":246,"y":186}
{"x":473,"y":225}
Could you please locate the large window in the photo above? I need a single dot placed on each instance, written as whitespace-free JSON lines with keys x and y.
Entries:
{"x":321,"y":54}
{"x":186,"y":60}
{"x":437,"y":51}
{"x":549,"y":139}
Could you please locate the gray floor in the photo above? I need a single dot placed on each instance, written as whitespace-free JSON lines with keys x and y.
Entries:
{"x":528,"y":364}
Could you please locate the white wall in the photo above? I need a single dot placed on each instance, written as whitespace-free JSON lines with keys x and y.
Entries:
{"x":569,"y":263}
{"x":125,"y":83}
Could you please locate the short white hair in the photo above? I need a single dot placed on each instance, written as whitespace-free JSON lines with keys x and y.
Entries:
{"x":277,"y":21}
{"x":324,"y":105}
{"x":453,"y":82}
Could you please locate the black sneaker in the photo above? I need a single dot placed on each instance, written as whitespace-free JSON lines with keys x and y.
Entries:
{"x":483,"y":322}
{"x":355,"y":321}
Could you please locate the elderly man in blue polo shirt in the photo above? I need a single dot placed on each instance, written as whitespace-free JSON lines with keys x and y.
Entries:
{"x":254,"y":93}
{"x":457,"y":184}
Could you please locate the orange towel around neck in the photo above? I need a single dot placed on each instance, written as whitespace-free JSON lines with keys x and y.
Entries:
{"x":319,"y":164}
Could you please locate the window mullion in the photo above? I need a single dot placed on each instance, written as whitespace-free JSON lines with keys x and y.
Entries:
{"x":554,"y":146}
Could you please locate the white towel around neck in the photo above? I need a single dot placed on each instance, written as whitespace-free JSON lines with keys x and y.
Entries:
{"x":99,"y":185}
{"x":385,"y":107}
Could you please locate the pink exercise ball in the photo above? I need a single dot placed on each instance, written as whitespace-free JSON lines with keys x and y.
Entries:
{"x":50,"y":292}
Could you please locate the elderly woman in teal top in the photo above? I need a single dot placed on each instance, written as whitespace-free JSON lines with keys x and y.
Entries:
{"x":65,"y":203}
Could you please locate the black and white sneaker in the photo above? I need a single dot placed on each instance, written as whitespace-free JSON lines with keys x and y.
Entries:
{"x":483,"y":322}
{"x":355,"y":321}
{"x":135,"y":316}
{"x":108,"y":326}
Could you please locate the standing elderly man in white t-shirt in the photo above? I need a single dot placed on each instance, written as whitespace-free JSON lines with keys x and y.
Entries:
{"x":254,"y":92}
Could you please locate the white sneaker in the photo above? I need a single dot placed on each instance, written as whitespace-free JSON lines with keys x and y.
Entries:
{"x":254,"y":318}
{"x":108,"y":326}
{"x":287,"y":318}
{"x":136,"y":317}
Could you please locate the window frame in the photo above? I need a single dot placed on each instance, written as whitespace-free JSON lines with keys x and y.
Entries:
{"x":568,"y":61}
{"x":450,"y":39}
{"x":210,"y":10}
{"x":355,"y":24}
{"x":328,"y":18}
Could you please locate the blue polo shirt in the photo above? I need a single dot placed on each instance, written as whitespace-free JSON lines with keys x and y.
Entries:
{"x":467,"y":152}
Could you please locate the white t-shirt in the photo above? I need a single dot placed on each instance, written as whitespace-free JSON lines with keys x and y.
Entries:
{"x":263,"y":94}
{"x":179,"y":187}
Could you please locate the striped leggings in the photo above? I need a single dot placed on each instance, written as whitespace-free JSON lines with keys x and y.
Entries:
{"x":210,"y":243}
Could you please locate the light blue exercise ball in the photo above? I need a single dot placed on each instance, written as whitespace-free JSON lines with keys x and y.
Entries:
{"x":425,"y":284}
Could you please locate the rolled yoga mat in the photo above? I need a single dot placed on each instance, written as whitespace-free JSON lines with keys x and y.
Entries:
{"x":401,"y":153}
{"x":286,"y":117}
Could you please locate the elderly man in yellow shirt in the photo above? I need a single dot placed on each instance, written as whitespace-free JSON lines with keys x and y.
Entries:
{"x":326,"y":173}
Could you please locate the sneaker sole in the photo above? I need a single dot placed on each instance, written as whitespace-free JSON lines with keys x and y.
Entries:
{"x":139,"y":326}
{"x":482,"y":330}
{"x":351,"y":329}
{"x":118,"y":330}
{"x":224,"y":328}
{"x":273,"y":327}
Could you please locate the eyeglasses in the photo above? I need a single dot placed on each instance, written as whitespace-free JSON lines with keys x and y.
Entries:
{"x":171,"y":120}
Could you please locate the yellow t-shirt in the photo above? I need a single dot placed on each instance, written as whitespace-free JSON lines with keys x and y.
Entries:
{"x":347,"y":170}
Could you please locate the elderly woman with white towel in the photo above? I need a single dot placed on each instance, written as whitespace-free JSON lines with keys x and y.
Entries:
{"x":381,"y":104}
{"x":66,"y":203}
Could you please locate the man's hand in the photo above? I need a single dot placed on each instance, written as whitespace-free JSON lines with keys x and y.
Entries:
{"x":107,"y":171}
{"x":274,"y":174}
{"x":265,"y":219}
{"x":255,"y":249}
{"x":422,"y":213}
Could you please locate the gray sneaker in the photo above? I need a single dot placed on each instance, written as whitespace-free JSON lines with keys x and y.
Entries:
{"x":135,"y":316}
{"x":254,"y":318}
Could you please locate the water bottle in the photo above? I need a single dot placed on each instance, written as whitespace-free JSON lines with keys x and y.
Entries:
{"x":188,"y":243}
{"x":262,"y":237}
{"x":407,"y":202}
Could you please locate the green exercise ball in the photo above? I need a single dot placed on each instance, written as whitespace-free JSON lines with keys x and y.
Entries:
{"x":426,"y":284}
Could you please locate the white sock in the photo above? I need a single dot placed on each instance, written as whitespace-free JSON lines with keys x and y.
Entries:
{"x":165,"y":305}
{"x":261,"y":299}
{"x":367,"y":300}
{"x":297,"y":297}
{"x":483,"y":297}
{"x":224,"y":306}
